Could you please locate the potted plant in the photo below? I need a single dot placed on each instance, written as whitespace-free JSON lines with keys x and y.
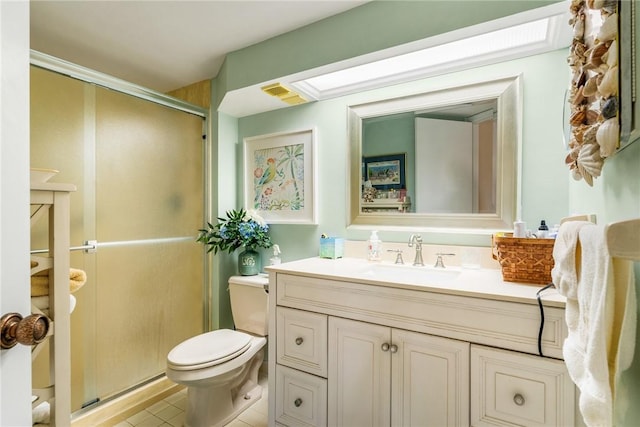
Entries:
{"x":240,"y":228}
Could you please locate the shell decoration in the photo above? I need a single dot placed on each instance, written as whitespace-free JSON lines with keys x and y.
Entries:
{"x":593,"y":94}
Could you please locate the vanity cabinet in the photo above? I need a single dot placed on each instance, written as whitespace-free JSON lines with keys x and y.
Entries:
{"x":347,"y":350}
{"x":379,"y":374}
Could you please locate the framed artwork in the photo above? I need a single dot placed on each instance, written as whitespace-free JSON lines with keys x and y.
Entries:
{"x":280,"y":177}
{"x":385,"y":172}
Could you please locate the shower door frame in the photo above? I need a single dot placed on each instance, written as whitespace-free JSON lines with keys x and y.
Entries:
{"x":87,"y":75}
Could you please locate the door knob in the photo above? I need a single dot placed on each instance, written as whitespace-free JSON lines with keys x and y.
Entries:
{"x":30,"y":330}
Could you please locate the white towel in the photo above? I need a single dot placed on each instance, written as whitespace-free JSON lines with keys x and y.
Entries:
{"x":566,"y":256}
{"x":42,"y":303}
{"x":600,"y":315}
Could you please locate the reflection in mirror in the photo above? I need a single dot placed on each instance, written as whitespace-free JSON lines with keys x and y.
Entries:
{"x":439,"y":159}
{"x":449,"y":159}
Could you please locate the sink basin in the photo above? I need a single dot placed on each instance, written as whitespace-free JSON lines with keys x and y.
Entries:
{"x":410,"y":274}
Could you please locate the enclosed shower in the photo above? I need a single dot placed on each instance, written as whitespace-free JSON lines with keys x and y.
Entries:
{"x":139,"y":169}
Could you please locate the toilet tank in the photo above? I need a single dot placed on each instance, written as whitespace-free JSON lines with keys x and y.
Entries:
{"x":250,"y":303}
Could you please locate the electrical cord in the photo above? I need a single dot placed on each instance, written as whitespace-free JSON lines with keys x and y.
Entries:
{"x":550,"y":285}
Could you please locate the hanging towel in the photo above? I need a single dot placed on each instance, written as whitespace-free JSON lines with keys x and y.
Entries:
{"x":600,"y":315}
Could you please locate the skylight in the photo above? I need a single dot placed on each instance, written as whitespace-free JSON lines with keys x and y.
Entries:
{"x":460,"y":52}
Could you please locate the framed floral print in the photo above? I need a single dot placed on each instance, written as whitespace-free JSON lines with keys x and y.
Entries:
{"x":280,"y":176}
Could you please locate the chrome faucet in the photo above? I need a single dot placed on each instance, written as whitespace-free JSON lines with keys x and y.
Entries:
{"x":439,"y":263}
{"x":398,"y":252}
{"x":418,"y":242}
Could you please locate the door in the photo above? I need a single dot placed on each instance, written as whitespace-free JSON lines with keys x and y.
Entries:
{"x":359,"y":383}
{"x":15,"y":363}
{"x":430,"y":380}
{"x":444,"y":166}
{"x":138,"y":166}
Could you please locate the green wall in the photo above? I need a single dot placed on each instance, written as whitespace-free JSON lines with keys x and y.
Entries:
{"x":547,"y":190}
{"x":544,"y":176}
{"x":394,"y":135}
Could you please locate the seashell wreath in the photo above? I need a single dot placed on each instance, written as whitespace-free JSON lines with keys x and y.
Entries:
{"x":593,"y":96}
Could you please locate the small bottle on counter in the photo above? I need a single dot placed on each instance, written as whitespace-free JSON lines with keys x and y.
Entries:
{"x":519,"y":229}
{"x":543,"y":230}
{"x":374,"y":247}
{"x":275,"y":259}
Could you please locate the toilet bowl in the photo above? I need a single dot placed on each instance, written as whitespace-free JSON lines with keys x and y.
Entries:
{"x":220,"y":368}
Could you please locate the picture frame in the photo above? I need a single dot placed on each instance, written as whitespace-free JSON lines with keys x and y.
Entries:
{"x":385,"y":172}
{"x":280,"y":176}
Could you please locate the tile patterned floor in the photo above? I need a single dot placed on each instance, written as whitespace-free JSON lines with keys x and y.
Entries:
{"x":170,"y":411}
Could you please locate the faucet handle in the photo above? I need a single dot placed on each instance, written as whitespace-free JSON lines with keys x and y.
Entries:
{"x":439,"y":263}
{"x":415,"y":238}
{"x":399,"y":259}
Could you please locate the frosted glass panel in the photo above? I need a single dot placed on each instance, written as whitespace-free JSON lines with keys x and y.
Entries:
{"x":57,"y":140}
{"x":152,"y":302}
{"x":149,"y":169}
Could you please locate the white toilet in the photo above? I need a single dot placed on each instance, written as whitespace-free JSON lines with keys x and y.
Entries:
{"x":220,"y":368}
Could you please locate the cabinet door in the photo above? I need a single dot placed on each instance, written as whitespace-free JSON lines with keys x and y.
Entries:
{"x":430,"y":380}
{"x":359,"y":377}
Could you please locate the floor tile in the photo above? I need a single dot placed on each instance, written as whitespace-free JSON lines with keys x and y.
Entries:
{"x":169,"y":412}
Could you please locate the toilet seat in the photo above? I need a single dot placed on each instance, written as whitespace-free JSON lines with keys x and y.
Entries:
{"x":209,"y":349}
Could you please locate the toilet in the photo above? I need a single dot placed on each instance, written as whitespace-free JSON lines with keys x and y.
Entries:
{"x":220,"y":368}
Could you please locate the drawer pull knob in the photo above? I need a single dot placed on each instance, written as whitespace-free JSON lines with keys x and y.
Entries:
{"x":299,"y":341}
{"x":393,"y":348}
{"x":385,"y":347}
{"x":297,"y":402}
{"x":518,"y":399}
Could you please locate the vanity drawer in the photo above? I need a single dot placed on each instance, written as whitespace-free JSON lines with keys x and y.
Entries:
{"x":509,"y":389}
{"x":302,"y":340}
{"x":301,"y":398}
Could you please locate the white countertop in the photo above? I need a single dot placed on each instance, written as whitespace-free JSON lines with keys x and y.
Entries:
{"x":479,"y":283}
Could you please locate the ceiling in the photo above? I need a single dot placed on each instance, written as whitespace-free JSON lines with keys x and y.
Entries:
{"x":165,"y":45}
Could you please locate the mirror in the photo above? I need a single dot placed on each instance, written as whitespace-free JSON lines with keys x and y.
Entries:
{"x":443,"y":159}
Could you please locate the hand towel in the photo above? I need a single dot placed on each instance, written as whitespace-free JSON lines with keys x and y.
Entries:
{"x":566,"y":257}
{"x":600,"y":315}
{"x":40,"y":281}
{"x":42,"y":303}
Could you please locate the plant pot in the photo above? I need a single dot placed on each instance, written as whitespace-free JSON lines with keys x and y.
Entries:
{"x":249,"y":262}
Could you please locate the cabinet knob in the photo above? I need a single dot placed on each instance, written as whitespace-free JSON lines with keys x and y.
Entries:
{"x":297,"y":402}
{"x":299,"y":341}
{"x":30,"y":330}
{"x":385,"y":347}
{"x":393,"y":348}
{"x":518,"y":399}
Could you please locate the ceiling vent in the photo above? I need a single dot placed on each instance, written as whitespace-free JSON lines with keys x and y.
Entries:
{"x":284,"y":94}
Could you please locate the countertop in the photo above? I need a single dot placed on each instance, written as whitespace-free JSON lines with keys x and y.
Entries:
{"x":478,"y":283}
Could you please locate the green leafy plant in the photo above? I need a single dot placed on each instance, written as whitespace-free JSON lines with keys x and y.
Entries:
{"x":239,"y":228}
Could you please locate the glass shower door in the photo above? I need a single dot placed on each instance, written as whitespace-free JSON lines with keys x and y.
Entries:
{"x":139,"y":171}
{"x":149,"y":206}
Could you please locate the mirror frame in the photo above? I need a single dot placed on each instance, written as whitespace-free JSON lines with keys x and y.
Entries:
{"x":508,"y":92}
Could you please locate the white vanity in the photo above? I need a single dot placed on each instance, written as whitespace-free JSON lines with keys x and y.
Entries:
{"x":353,"y":343}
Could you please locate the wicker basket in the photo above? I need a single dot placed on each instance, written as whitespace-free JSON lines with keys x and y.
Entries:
{"x":524,"y":259}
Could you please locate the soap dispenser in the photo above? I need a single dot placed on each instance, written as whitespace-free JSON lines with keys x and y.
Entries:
{"x":375,"y":247}
{"x":275,"y":259}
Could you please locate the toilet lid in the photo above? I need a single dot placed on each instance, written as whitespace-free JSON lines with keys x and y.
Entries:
{"x":209,"y":349}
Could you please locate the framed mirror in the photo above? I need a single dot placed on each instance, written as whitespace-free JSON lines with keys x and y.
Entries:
{"x":443,"y":159}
